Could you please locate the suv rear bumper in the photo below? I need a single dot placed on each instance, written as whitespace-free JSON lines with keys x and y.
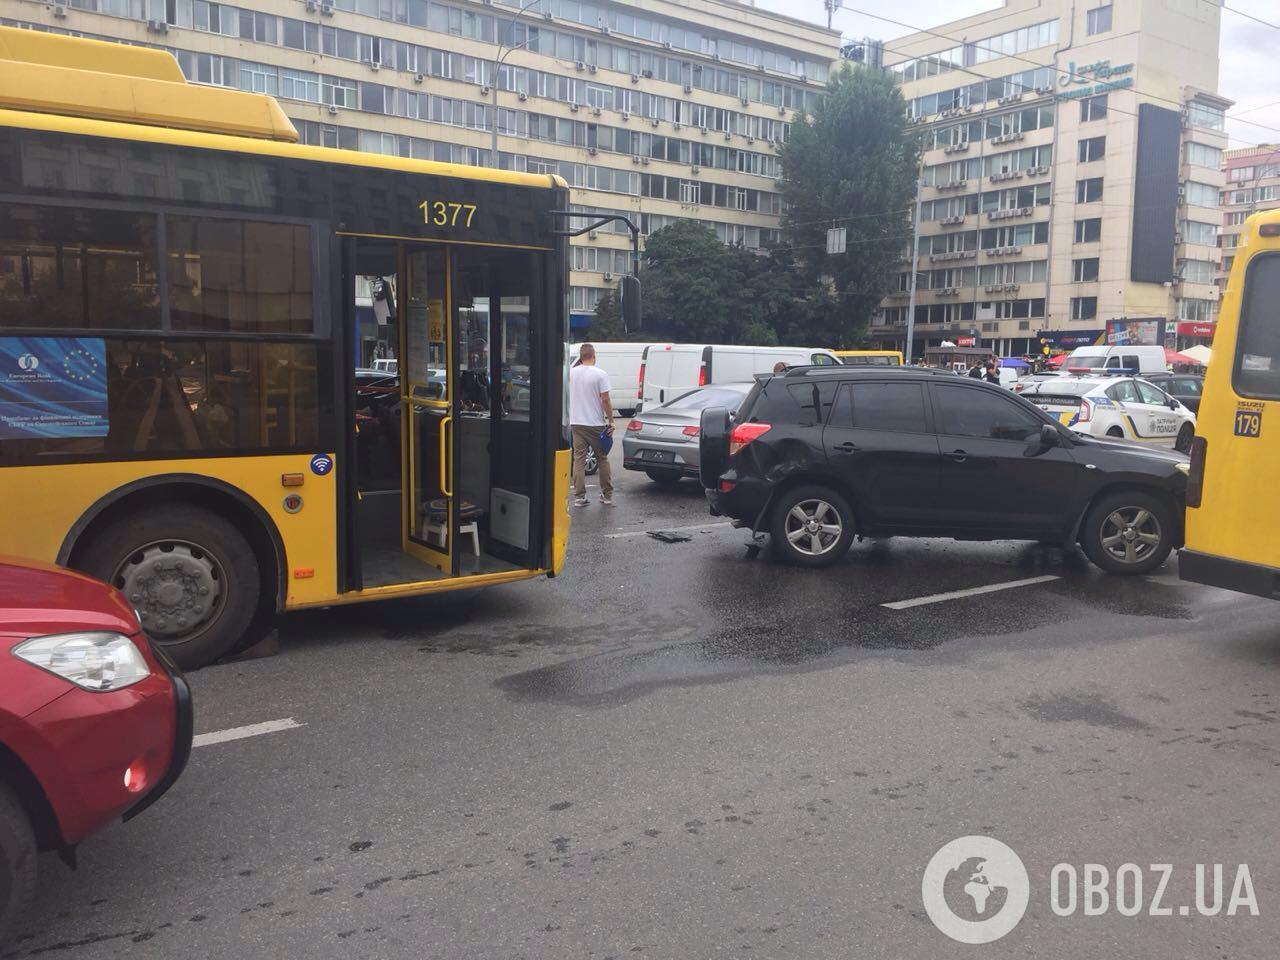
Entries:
{"x":743,"y":503}
{"x":1237,"y":575}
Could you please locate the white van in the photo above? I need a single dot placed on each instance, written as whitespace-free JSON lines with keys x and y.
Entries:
{"x":1135,"y":360}
{"x":621,"y":361}
{"x":671,"y":369}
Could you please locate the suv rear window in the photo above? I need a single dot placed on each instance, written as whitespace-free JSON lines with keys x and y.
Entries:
{"x":896,"y":407}
{"x":814,"y":399}
{"x":1257,"y":366}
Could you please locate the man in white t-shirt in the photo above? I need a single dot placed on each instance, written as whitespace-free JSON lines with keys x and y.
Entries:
{"x":590,"y":415}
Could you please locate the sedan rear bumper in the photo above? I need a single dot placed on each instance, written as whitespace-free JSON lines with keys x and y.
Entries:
{"x":655,"y":455}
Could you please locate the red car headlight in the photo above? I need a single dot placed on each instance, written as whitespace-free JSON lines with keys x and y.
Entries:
{"x":95,"y":661}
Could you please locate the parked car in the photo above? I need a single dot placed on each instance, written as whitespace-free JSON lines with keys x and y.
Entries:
{"x":672,"y":369}
{"x":663,"y":442}
{"x":816,"y":456}
{"x":95,"y":722}
{"x":1183,"y":387}
{"x":1123,"y":408}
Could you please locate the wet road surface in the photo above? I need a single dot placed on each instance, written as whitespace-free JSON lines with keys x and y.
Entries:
{"x":675,"y":750}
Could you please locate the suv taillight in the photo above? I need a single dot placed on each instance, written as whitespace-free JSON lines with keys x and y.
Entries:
{"x":745,"y":433}
{"x":1195,"y":479}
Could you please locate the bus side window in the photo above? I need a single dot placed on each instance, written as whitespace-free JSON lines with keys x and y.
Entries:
{"x":1257,"y":362}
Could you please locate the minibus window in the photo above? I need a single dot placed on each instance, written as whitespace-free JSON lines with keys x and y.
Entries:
{"x":1257,"y":368}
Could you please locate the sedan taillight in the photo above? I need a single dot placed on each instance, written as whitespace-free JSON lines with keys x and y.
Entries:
{"x":635,"y":426}
{"x":691,"y":431}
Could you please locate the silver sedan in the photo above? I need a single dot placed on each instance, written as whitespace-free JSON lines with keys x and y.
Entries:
{"x":663,"y":442}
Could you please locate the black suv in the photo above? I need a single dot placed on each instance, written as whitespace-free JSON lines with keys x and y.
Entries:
{"x":818,"y":454}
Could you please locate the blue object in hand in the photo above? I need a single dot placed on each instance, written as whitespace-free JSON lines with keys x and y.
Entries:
{"x":606,"y":440}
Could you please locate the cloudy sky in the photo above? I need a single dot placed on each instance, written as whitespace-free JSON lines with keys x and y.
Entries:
{"x":1249,"y":64}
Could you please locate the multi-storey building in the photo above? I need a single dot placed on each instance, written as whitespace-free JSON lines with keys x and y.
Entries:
{"x":1071,"y":174}
{"x":657,"y":109}
{"x":1253,"y":184}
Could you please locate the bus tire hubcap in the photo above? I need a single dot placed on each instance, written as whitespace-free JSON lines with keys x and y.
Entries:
{"x":174,"y":585}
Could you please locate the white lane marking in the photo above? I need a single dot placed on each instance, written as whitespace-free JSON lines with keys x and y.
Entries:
{"x":641,"y":533}
{"x":240,"y":733}
{"x":971,"y":592}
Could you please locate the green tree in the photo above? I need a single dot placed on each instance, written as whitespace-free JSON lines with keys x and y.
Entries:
{"x":851,"y":163}
{"x":685,"y":278}
{"x":606,"y":325}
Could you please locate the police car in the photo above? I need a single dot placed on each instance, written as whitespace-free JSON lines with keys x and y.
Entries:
{"x":1120,"y":408}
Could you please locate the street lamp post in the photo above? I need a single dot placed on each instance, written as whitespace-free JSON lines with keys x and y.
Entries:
{"x":495,"y":68}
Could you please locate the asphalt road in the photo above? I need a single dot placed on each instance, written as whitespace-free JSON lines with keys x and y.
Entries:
{"x":677,"y":751}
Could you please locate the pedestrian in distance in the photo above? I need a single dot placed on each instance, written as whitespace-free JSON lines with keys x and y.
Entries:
{"x":590,"y":420}
{"x":779,"y":368}
{"x":976,"y":371}
{"x":992,"y":374}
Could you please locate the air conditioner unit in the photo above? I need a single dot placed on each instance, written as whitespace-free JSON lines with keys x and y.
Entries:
{"x":644,"y":161}
{"x":579,"y":66}
{"x":728,"y":135}
{"x":626,"y":115}
{"x":592,"y":151}
{"x":595,"y":111}
{"x":647,"y":74}
{"x":157,"y":26}
{"x":326,"y":8}
{"x":1177,"y":238}
{"x":311,"y":6}
{"x":608,"y":276}
{"x":666,"y":44}
{"x":524,"y":98}
{"x":605,"y":29}
{"x":333,"y":110}
{"x":751,"y":139}
{"x":654,"y":121}
{"x":573,"y":108}
{"x":703,"y":129}
{"x":782,"y":111}
{"x":592,"y":69}
{"x":688,"y":88}
{"x":635,"y":158}
{"x":744,"y":101}
{"x":375,"y":66}
{"x":695,"y":170}
{"x":635,"y":78}
{"x":592,"y":235}
{"x":548,"y":15}
{"x":59,"y":9}
{"x":419,"y":78}
{"x":676,"y":126}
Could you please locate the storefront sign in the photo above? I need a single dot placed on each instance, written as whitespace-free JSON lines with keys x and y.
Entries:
{"x":965,"y":341}
{"x":1069,"y":339}
{"x":1190,"y":328}
{"x":52,"y":387}
{"x":1093,"y":79}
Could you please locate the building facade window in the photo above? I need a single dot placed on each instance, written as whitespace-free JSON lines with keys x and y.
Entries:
{"x":1089,"y":191}
{"x":1088,"y":231}
{"x":1094,"y":148}
{"x":1084,"y":269}
{"x":1093,"y":108}
{"x":1084,"y":308}
{"x":1204,"y":115}
{"x":1198,"y":271}
{"x":1202,"y":194}
{"x":1098,"y":20}
{"x":1196,"y":231}
{"x":1199,"y":311}
{"x":1204,"y":156}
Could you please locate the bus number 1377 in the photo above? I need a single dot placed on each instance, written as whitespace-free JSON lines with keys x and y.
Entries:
{"x":443,"y":214}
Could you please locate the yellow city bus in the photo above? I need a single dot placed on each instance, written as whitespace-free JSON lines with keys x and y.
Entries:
{"x":1235,"y":457}
{"x":870,"y":358}
{"x":179,"y":408}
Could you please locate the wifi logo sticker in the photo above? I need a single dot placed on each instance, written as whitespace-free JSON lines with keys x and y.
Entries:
{"x":321,"y":464}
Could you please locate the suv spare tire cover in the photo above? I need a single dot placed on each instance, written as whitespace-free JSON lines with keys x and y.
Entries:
{"x":713,"y":446}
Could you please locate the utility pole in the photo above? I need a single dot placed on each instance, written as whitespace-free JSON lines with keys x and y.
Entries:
{"x":832,"y":6}
{"x":915,"y":272}
{"x":496,"y":68}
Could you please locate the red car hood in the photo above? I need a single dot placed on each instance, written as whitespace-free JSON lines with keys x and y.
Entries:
{"x":38,"y":599}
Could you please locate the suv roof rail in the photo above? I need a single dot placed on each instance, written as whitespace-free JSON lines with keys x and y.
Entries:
{"x":856,"y":370}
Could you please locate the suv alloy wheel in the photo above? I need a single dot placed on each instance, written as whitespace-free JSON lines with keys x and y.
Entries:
{"x":811,"y":526}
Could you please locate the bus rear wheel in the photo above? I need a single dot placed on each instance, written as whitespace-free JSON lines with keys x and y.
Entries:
{"x":192,"y":577}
